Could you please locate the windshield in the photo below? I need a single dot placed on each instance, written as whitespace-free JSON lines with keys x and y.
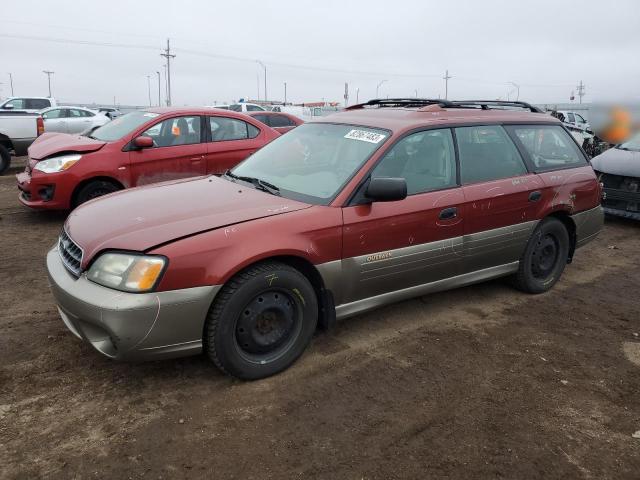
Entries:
{"x":313,"y":162}
{"x":631,"y":144}
{"x":121,"y":126}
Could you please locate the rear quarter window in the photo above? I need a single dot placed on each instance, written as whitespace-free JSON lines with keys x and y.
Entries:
{"x":549,"y":147}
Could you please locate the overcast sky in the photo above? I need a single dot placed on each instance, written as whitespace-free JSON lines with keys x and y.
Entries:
{"x":99,"y":50}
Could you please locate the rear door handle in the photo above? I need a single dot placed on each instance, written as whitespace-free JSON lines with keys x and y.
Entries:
{"x":535,"y":196}
{"x":197,"y":159}
{"x":448,"y":213}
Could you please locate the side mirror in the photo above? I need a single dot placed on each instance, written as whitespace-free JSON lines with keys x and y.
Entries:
{"x":143,"y":142}
{"x":8,"y":107}
{"x":386,"y":189}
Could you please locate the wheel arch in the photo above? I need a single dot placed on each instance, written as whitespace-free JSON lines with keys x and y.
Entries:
{"x":86,"y":181}
{"x":570,"y":225}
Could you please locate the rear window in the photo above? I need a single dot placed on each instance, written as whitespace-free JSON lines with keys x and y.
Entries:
{"x":38,"y":103}
{"x":549,"y":146}
{"x":281,"y":121}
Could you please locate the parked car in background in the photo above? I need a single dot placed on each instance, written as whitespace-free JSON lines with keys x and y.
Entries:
{"x":246,"y":107}
{"x":72,"y":119}
{"x":383,"y":202}
{"x":27,"y":104}
{"x":110,"y":112}
{"x":575,"y":119}
{"x":18,"y":130}
{"x":141,"y":147}
{"x":619,"y":170}
{"x":281,"y":122}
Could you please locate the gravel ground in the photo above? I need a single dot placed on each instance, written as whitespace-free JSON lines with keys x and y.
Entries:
{"x":479,"y":382}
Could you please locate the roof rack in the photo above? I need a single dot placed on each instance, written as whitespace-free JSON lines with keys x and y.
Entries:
{"x":487,"y":104}
{"x":402,"y":102}
{"x":424,"y":102}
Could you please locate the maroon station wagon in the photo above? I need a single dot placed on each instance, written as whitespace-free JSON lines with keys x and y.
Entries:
{"x":382,"y":202}
{"x":138,"y":148}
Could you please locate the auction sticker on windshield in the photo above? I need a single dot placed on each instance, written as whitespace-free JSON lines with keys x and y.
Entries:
{"x":365,"y":136}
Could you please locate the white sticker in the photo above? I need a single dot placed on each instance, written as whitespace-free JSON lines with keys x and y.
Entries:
{"x":365,"y":136}
{"x":150,"y":114}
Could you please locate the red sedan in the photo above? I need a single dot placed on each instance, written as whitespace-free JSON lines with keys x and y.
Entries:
{"x":279,"y":121}
{"x":135,"y":149}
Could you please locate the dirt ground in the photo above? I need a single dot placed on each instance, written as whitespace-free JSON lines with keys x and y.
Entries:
{"x":480,"y":382}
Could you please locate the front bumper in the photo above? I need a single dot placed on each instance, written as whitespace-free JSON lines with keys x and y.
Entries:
{"x":39,"y":194}
{"x":622,"y":203}
{"x":130,"y":326}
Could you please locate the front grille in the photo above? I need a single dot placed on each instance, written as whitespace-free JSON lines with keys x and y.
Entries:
{"x":70,"y":253}
{"x":622,"y":193}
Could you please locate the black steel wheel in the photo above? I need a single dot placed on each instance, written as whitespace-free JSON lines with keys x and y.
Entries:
{"x":544,"y":258}
{"x":261,"y":321}
{"x":94,"y":189}
{"x":5,"y":159}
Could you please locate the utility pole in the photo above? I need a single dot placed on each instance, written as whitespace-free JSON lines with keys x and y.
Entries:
{"x":11,"y":83}
{"x":285,"y":93}
{"x":149,"y":87}
{"x":265,"y":78}
{"x":378,"y":87}
{"x":258,"y":85}
{"x":416,"y":93}
{"x":346,"y":94}
{"x":167,"y":54}
{"x":48,"y":73}
{"x":580,"y":89}
{"x":159,"y":102}
{"x":357,"y":95}
{"x":446,"y":84}
{"x":517,"y":90}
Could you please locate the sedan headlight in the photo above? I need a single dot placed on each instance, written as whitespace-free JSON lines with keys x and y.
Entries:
{"x":57,"y":164}
{"x":127,"y":272}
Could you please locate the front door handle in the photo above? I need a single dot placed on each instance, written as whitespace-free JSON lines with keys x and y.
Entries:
{"x":535,"y":196}
{"x":448,"y":213}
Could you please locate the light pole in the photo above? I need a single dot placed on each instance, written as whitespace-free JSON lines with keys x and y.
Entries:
{"x":416,"y":93}
{"x":446,"y":79}
{"x":265,"y":78}
{"x":357,"y":95}
{"x":285,"y":93}
{"x":378,"y":87}
{"x":11,"y":83}
{"x":48,"y":73}
{"x":159,"y":102}
{"x":149,"y":87}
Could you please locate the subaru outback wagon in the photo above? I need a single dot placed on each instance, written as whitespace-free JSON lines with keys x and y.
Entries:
{"x":385,"y":201}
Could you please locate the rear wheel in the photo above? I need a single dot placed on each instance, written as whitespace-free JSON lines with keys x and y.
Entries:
{"x":544,"y":258}
{"x":95,"y":189}
{"x":261,"y":321}
{"x":5,"y":159}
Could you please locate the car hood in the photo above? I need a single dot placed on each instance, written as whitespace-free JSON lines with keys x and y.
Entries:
{"x":139,"y":219}
{"x":49,"y":144}
{"x":618,"y":162}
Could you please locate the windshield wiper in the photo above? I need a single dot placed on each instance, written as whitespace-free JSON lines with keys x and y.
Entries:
{"x":256,"y":182}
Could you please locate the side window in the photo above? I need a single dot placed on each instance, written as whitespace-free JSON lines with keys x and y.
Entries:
{"x":224,"y":128}
{"x":175,"y":131}
{"x":487,"y":153}
{"x":38,"y":103}
{"x":253,"y":108}
{"x":51,"y":114}
{"x":426,"y":160}
{"x":570,"y":117}
{"x":236,"y":107}
{"x":262,"y":118}
{"x":16,"y":103}
{"x":75,"y":113}
{"x":580,"y":119}
{"x":253,"y":131}
{"x":549,"y":146}
{"x":280,"y":121}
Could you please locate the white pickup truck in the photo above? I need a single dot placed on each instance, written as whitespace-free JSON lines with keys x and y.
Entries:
{"x":27,"y":104}
{"x":17,"y":131}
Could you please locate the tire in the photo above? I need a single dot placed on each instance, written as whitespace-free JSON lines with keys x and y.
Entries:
{"x":261,"y":321}
{"x":5,"y":159}
{"x":544,"y":258}
{"x":94,"y":189}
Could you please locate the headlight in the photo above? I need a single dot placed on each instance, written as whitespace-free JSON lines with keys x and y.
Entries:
{"x":127,"y":272}
{"x":57,"y":164}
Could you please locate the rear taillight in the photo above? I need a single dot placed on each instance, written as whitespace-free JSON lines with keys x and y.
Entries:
{"x":40,"y":125}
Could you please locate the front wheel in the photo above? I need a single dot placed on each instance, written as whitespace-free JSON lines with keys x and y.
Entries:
{"x":5,"y":159}
{"x":544,"y":258}
{"x":261,"y":321}
{"x":94,"y":189}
